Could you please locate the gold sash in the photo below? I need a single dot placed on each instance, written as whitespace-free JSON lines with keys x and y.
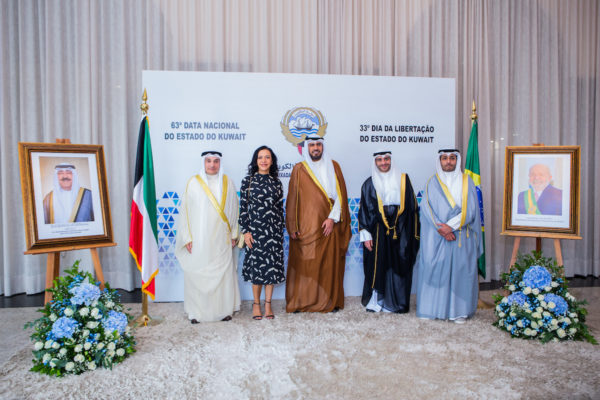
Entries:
{"x":337,"y":187}
{"x":400,"y":209}
{"x":464,"y":197}
{"x":219,"y":207}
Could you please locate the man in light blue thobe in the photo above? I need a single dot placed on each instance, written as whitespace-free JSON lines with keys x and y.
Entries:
{"x":447,"y":286}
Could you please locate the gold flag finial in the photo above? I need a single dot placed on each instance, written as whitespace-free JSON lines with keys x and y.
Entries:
{"x":473,"y":112}
{"x":144,"y":106}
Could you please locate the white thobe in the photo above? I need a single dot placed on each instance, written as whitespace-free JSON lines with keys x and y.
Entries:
{"x":211,"y":289}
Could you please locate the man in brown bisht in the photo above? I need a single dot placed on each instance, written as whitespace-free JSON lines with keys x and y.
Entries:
{"x":318,"y":222}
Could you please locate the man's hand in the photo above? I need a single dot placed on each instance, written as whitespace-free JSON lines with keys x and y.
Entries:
{"x":446,"y":232}
{"x":369,"y":245}
{"x":327,"y":226}
{"x":248,"y":239}
{"x":233,"y":243}
{"x":189,"y":247}
{"x":294,"y":235}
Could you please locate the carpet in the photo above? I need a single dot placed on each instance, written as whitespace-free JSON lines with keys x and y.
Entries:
{"x":351,"y":354}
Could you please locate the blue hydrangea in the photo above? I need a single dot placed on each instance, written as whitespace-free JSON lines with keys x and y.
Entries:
{"x":537,"y":276}
{"x":64,"y":327}
{"x":115,"y":321}
{"x":85,"y":293}
{"x":517,"y":297}
{"x":561,"y":305}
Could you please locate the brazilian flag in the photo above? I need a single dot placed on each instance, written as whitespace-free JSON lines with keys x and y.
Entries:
{"x":472,"y":168}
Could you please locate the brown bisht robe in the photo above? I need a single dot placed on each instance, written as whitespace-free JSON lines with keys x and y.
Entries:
{"x":315,"y":274}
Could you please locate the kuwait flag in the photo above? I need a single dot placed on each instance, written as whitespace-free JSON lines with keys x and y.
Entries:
{"x":472,"y":168}
{"x":143,"y":243}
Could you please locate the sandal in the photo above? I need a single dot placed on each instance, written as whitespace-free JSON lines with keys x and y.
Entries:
{"x":269,"y":316}
{"x":256,"y":317}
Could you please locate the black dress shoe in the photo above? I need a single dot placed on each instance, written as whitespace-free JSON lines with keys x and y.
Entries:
{"x":227,"y":318}
{"x":194,"y":321}
{"x":335,"y":310}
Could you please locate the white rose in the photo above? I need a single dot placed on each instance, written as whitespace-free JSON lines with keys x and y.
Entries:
{"x":120,"y":352}
{"x":85,"y":333}
{"x":504,"y":300}
{"x":540,"y":297}
{"x":526,"y":306}
{"x":63,"y":351}
{"x":543,"y":304}
{"x":84,"y":311}
{"x":535,"y":291}
{"x":513,"y":314}
{"x":79,"y":358}
{"x":109,"y":304}
{"x":561,"y":333}
{"x":539,"y":309}
{"x":69,"y":366}
{"x":509,"y":327}
{"x":55,"y":345}
{"x":533,"y":332}
{"x":100,"y":346}
{"x":527,"y":290}
{"x":554,"y":322}
{"x":68,"y":312}
{"x":567,"y":320}
{"x":572,"y":315}
{"x":572,"y":331}
{"x":548,"y":288}
{"x":575,"y":319}
{"x":46,"y":357}
{"x":78,"y":348}
{"x":38,"y":345}
{"x":536,"y":315}
{"x":527,"y":331}
{"x":534,"y":325}
{"x":511,"y":288}
{"x":498,"y":308}
{"x":111,"y":346}
{"x":546,"y":314}
{"x":554,"y":284}
{"x":95,"y":312}
{"x":53,"y":363}
{"x":551,"y":305}
{"x":48,"y":344}
{"x":520,"y":323}
{"x":94,"y":303}
{"x":91,"y":365}
{"x":110,"y":353}
{"x":87,"y":345}
{"x":53,"y":317}
{"x":92,"y":324}
{"x":540,"y":323}
{"x":501,"y":314}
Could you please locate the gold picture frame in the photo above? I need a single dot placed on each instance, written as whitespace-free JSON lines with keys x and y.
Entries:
{"x":65,"y":197}
{"x":541,"y":191}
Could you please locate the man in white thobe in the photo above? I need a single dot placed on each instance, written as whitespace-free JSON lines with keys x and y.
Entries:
{"x":205,"y":245}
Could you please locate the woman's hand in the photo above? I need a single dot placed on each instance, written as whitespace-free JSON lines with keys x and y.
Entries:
{"x":248,"y":239}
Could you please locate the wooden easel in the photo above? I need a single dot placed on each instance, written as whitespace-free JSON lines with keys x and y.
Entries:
{"x":53,"y":257}
{"x":538,"y":246}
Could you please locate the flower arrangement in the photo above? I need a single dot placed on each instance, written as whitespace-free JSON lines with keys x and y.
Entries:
{"x":539,"y":305}
{"x":81,"y":329}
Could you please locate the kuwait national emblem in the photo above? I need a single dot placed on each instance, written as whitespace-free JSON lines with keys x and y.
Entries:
{"x":300,"y":122}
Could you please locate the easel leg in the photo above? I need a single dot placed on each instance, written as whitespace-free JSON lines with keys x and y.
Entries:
{"x":559,"y":259}
{"x":513,"y":257}
{"x":52,"y":269}
{"x":97,"y":267}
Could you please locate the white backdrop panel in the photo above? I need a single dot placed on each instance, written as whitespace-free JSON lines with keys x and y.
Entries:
{"x":235,"y":113}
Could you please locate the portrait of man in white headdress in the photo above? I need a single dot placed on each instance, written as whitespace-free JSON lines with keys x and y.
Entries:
{"x":68,"y":201}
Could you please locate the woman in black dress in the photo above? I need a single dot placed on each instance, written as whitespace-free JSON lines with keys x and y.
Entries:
{"x":261,"y":223}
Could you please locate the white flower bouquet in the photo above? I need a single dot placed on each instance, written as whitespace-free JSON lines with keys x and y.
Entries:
{"x":81,"y":329}
{"x":539,"y":305}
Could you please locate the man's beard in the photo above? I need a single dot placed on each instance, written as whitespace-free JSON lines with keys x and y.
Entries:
{"x":316,"y":158}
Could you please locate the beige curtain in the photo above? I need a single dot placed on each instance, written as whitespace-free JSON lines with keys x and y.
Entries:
{"x":73,"y":69}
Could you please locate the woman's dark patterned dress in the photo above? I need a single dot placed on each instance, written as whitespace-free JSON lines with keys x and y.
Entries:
{"x":261,"y":213}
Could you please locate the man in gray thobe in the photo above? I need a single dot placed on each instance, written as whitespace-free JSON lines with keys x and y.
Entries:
{"x":451,"y":242}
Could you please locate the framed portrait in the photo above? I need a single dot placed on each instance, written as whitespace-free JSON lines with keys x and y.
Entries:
{"x":65,"y":197}
{"x":541,"y":191}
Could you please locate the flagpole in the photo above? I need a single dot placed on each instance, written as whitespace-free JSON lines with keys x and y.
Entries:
{"x":481,"y":304}
{"x":145,"y":319}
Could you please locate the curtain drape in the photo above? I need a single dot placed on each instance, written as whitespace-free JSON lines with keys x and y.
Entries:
{"x":72,"y":69}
